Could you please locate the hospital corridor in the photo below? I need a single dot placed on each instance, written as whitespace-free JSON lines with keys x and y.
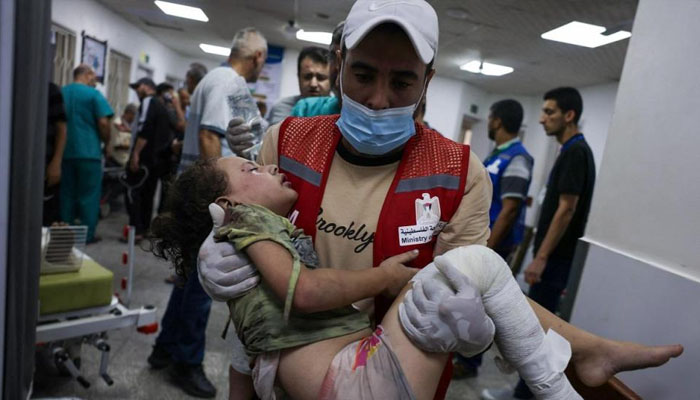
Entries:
{"x":349,"y":199}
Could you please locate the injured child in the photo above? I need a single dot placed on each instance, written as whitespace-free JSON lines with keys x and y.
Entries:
{"x":298,"y":326}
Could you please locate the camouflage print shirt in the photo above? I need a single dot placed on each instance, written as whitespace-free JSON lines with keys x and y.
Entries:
{"x":263,"y":322}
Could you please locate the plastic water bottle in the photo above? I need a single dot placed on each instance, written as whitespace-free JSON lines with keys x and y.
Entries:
{"x":246,"y":108}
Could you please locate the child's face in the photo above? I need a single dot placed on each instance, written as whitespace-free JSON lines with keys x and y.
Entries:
{"x":255,"y":184}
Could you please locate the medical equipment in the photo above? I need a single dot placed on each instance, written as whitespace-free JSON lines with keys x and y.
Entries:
{"x":88,"y":317}
{"x":62,"y":248}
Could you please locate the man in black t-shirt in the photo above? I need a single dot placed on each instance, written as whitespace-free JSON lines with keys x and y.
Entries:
{"x":568,"y":199}
{"x":55,"y":143}
{"x":566,"y":204}
{"x":151,"y":150}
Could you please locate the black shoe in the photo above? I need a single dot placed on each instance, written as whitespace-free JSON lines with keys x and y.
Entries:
{"x":192,"y":380}
{"x":159,"y":358}
{"x":463,"y":371}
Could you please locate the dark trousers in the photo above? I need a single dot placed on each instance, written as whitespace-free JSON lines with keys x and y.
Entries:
{"x":184,"y":323}
{"x":547,"y":293}
{"x":139,"y":201}
{"x":52,"y":204}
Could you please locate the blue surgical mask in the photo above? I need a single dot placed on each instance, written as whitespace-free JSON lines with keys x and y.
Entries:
{"x":375,"y":132}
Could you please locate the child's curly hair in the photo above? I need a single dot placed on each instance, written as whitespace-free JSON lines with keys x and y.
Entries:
{"x":180,"y":230}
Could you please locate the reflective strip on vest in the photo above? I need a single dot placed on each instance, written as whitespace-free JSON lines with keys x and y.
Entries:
{"x":300,"y":170}
{"x":449,"y":182}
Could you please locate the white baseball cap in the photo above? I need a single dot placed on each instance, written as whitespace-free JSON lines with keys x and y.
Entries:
{"x":417,"y":18}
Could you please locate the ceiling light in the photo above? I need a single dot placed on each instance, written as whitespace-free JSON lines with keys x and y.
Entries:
{"x":316,"y":37}
{"x":218,"y":50}
{"x":586,"y":35}
{"x":182,"y":11}
{"x":479,"y":67}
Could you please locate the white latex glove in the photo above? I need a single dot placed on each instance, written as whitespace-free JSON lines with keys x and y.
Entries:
{"x":444,"y":313}
{"x":223,"y":272}
{"x":240,"y":136}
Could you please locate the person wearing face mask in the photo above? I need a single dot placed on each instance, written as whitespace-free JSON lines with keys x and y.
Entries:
{"x":372,"y":183}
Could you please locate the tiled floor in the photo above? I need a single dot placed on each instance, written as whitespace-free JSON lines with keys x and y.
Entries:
{"x":133,"y":379}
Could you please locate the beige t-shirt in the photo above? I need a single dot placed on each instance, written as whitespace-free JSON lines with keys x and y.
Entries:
{"x":353,"y":199}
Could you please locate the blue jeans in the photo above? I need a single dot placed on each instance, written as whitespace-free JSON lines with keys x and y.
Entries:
{"x":184,"y":324}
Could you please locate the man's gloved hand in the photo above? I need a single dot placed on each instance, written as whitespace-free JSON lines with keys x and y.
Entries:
{"x":240,"y":136}
{"x":223,"y":272}
{"x":445,"y":313}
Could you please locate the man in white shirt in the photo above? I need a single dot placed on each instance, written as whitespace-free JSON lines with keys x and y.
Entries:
{"x":221,"y":95}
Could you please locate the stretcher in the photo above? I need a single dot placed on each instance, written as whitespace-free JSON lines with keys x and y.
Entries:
{"x":79,"y":307}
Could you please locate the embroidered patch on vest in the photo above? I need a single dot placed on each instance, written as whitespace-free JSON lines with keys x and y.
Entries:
{"x":428,"y":224}
{"x":494,"y":167}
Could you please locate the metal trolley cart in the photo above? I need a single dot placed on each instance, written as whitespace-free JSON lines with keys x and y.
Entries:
{"x":78,"y":306}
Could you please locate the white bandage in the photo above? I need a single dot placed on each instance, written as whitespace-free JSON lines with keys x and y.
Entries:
{"x":539,"y":359}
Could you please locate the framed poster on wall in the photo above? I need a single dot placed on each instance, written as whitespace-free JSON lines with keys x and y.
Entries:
{"x":94,"y":54}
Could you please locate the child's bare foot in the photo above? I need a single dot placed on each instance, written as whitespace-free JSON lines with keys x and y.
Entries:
{"x":601,"y":362}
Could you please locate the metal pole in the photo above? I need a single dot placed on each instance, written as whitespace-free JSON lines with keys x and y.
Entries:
{"x":131,"y":239}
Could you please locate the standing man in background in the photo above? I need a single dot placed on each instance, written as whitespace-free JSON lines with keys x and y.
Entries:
{"x":329,"y":104}
{"x":564,"y":210}
{"x":193,"y":75}
{"x":312,"y":72}
{"x":55,"y":145}
{"x":510,"y":168}
{"x":221,"y":95}
{"x":120,"y":137}
{"x":150,"y":155}
{"x":88,"y":115}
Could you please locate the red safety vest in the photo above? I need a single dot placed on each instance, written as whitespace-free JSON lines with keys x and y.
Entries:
{"x":431,"y":166}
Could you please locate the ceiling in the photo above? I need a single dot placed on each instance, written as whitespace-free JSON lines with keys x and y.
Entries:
{"x":505,"y":32}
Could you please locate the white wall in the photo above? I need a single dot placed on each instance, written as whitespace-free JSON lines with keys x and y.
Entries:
{"x":100,"y":22}
{"x":289,"y":86}
{"x":598,"y":108}
{"x":644,"y":226}
{"x":648,"y":181}
{"x":444,"y":106}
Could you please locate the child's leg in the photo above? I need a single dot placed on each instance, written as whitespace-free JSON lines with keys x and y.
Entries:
{"x":302,"y":370}
{"x":240,"y":386}
{"x":539,"y":359}
{"x":422,"y":369}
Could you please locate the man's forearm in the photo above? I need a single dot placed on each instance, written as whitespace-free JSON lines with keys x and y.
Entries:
{"x":560,"y":221}
{"x":138,"y":146}
{"x":209,"y":144}
{"x":502,"y":226}
{"x":103,"y":129}
{"x":60,"y":143}
{"x":180,"y":125}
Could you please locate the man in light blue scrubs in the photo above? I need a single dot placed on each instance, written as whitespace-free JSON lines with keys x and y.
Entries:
{"x":88,"y":115}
